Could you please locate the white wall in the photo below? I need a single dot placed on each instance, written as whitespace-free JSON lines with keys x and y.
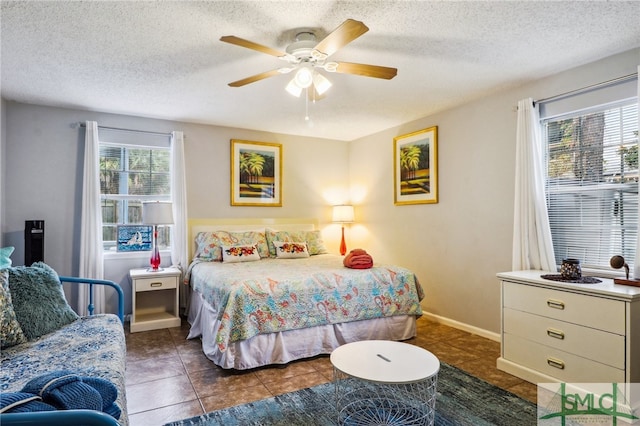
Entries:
{"x":44,"y":157}
{"x":455,"y":247}
{"x":458,"y":245}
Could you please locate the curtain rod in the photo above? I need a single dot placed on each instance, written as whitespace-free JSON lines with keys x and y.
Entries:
{"x":124,"y":130}
{"x":587,"y":88}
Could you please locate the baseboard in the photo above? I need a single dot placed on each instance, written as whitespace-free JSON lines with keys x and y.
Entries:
{"x":464,"y":327}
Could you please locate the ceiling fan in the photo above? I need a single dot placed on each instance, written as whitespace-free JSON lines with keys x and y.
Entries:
{"x":306,"y":56}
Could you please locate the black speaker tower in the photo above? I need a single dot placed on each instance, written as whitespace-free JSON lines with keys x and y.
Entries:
{"x":33,"y":241}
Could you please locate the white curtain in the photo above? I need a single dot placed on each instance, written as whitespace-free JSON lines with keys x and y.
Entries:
{"x":91,"y":262}
{"x":636,"y":262}
{"x":532,"y":244}
{"x":179,"y":243}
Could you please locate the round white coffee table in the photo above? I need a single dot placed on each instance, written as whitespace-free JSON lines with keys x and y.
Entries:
{"x":381,"y":382}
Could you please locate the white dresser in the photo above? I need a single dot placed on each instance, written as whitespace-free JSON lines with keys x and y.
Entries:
{"x":572,"y":333}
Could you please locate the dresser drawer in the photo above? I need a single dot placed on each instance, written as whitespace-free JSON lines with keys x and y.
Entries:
{"x":553,"y":362}
{"x":597,"y":345}
{"x":159,"y":283}
{"x":595,"y":312}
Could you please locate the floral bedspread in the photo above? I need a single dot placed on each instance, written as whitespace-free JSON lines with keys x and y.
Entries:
{"x":91,"y":346}
{"x":272,"y":295}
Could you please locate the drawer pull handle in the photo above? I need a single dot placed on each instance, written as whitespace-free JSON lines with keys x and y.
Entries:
{"x":157,"y":284}
{"x":556,"y":363}
{"x":556,"y":334}
{"x":555,"y":304}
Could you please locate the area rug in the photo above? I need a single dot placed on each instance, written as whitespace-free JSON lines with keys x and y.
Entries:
{"x":461,"y":399}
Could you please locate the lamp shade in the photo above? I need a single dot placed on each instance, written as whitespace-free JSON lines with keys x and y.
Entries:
{"x":304,"y":77}
{"x":343,"y":214}
{"x":157,"y":213}
{"x":293,"y":88}
{"x":321,"y":83}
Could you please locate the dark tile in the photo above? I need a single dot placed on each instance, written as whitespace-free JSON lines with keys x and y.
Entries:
{"x":164,"y":415}
{"x":485,"y":369}
{"x":223,"y":399}
{"x":149,"y":337}
{"x":323,"y":366}
{"x":423,"y":340}
{"x":180,"y":333}
{"x":479,"y":345}
{"x":149,"y":369}
{"x":441,"y":332}
{"x":169,"y":377}
{"x":149,"y":344}
{"x":450,"y":354}
{"x":295,"y":383}
{"x":211,"y":381}
{"x":279,"y":373}
{"x":525,"y":390}
{"x":192,"y":345}
{"x":159,"y":393}
{"x":196,"y":361}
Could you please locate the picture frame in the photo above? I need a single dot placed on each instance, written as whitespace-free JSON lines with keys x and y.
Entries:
{"x":256,"y":173}
{"x":134,"y":238}
{"x":415,"y":167}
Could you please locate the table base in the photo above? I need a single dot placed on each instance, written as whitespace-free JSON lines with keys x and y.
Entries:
{"x":360,"y":402}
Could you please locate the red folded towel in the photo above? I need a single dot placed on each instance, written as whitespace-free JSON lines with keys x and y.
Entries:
{"x":358,"y":259}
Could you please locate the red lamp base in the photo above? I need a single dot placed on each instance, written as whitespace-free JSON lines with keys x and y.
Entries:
{"x":155,"y":253}
{"x":343,"y":244}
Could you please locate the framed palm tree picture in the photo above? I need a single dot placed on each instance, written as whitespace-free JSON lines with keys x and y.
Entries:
{"x":256,"y":173}
{"x":415,"y":167}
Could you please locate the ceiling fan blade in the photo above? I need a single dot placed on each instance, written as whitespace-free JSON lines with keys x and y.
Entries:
{"x":348,"y":31}
{"x":251,"y":45}
{"x":254,"y":78}
{"x":313,"y":95}
{"x":374,"y":71}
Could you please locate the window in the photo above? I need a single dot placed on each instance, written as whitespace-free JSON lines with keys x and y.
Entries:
{"x":592,"y":183}
{"x":129,"y":175}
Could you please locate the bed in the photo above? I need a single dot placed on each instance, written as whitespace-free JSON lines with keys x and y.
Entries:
{"x":292,"y":299}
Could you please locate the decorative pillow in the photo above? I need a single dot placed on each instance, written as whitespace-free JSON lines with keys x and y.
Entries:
{"x":244,"y":253}
{"x":315,"y":245}
{"x":287,"y":250}
{"x":209,"y":244}
{"x":10,"y":332}
{"x":5,"y":260}
{"x":38,"y":300}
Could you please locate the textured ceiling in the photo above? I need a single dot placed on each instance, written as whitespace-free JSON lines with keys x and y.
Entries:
{"x":165,"y":60}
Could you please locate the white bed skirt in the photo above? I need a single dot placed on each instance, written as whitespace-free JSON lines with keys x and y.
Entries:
{"x":287,"y":346}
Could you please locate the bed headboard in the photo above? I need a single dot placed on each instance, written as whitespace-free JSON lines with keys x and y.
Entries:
{"x":245,"y":224}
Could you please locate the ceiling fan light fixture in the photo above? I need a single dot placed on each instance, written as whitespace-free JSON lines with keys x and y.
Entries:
{"x":304,"y":77}
{"x":306,"y":56}
{"x":321,"y":83}
{"x":293,"y":88}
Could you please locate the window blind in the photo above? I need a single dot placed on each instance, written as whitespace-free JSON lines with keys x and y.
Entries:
{"x":134,"y":167}
{"x":592,"y":183}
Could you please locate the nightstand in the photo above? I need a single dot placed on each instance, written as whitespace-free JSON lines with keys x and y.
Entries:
{"x":154,"y":299}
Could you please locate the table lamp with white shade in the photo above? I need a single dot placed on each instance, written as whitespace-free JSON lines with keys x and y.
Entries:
{"x":156,"y":213}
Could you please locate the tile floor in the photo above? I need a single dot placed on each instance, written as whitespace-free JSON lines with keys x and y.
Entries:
{"x":169,"y":378}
